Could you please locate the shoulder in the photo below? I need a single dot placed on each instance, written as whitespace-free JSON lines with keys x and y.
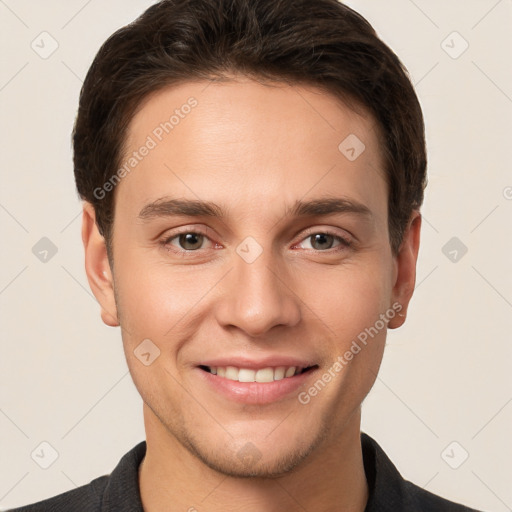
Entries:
{"x":390,"y":492}
{"x":116,"y":492}
{"x":87,"y":498}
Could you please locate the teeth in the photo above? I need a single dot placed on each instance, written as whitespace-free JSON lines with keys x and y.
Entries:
{"x":245,"y":375}
{"x":290,"y":371}
{"x":265,"y":375}
{"x":279,"y":373}
{"x":262,"y":375}
{"x":231,"y":373}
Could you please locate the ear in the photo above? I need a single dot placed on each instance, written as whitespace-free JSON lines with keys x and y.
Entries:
{"x":405,"y":262}
{"x":97,"y":266}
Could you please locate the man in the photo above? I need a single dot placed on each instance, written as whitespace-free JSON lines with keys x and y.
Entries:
{"x":218,"y":145}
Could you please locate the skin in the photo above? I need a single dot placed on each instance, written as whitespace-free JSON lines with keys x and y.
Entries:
{"x":254,"y":149}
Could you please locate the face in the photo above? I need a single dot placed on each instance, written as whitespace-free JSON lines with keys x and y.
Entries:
{"x":251,"y":253}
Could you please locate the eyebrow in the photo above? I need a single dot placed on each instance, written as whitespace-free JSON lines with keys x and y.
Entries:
{"x":166,"y":207}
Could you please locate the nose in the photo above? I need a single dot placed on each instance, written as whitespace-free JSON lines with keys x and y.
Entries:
{"x":256,"y":297}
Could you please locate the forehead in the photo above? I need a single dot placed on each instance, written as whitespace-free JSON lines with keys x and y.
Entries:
{"x":249,"y":145}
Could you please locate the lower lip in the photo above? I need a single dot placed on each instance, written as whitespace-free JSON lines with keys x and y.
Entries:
{"x":256,"y":392}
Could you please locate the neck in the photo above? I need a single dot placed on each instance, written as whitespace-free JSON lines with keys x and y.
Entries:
{"x":332,"y":478}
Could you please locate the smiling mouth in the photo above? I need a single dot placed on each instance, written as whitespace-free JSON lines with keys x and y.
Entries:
{"x":262,"y":375}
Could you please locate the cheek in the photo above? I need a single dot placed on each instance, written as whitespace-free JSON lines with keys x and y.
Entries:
{"x":152,"y":298}
{"x":348,"y":298}
{"x":161,"y":301}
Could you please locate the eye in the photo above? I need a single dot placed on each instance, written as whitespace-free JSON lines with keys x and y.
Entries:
{"x":193,"y":241}
{"x":188,"y":241}
{"x":323,"y":241}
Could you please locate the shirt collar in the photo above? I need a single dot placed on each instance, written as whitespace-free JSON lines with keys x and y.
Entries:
{"x":122,"y":490}
{"x":385,"y":484}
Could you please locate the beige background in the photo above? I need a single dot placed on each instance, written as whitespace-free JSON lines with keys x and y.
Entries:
{"x":446,"y":373}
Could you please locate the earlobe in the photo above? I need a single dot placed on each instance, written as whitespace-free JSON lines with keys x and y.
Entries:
{"x":97,"y":266}
{"x":406,"y":269}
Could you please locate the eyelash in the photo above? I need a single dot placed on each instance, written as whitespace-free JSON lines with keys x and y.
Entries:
{"x":344,"y":242}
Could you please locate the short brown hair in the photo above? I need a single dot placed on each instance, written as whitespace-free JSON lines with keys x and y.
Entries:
{"x":317,"y":42}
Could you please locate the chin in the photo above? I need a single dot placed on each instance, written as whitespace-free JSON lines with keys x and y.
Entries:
{"x":248,"y":461}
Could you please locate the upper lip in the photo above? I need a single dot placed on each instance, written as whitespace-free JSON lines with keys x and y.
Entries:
{"x":255,"y":364}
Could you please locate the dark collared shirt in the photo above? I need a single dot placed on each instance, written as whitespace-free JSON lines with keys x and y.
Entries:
{"x":119,"y":491}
